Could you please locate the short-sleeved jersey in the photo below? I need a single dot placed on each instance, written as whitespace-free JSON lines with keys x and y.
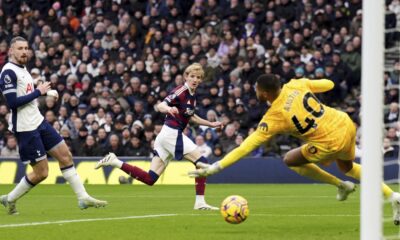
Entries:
{"x":299,"y":113}
{"x":15,"y":79}
{"x":185,"y":102}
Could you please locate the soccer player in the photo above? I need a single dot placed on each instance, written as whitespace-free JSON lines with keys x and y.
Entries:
{"x":171,"y":143}
{"x":35,"y":136}
{"x":330,"y":135}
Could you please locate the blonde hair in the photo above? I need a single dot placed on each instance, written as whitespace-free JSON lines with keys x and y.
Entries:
{"x":195,"y":67}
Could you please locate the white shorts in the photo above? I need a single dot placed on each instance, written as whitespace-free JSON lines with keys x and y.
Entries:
{"x":166,"y":144}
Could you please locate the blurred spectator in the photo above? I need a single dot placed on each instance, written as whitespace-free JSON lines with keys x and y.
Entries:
{"x":205,"y":150}
{"x":90,"y":147}
{"x":11,"y":147}
{"x":389,"y":150}
{"x":393,"y":114}
{"x":227,"y":140}
{"x":134,"y":148}
{"x":111,"y":62}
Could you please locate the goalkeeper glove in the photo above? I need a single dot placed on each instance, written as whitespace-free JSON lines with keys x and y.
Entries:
{"x":205,"y":170}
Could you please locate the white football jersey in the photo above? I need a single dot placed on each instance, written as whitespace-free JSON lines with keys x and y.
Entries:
{"x":15,"y":78}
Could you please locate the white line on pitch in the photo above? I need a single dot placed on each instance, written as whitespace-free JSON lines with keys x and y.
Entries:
{"x":165,"y":215}
{"x":174,"y":196}
{"x":84,"y":220}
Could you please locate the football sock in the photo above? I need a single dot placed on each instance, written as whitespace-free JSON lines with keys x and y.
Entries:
{"x":21,"y":189}
{"x":148,"y":178}
{"x":117,"y":163}
{"x":200,"y":185}
{"x":314,"y":172}
{"x":355,"y":172}
{"x":71,"y":176}
{"x":200,"y":182}
{"x":200,"y":199}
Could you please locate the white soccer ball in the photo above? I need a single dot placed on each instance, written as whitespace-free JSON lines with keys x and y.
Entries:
{"x":52,"y":93}
{"x":234,"y":209}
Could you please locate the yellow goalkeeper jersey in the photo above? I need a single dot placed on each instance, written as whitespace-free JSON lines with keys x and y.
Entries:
{"x":299,"y":113}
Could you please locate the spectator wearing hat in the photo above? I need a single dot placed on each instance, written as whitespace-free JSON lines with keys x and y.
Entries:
{"x":241,"y":116}
{"x":217,"y":152}
{"x":249,"y":28}
{"x":319,"y":73}
{"x":82,"y":110}
{"x":299,"y":72}
{"x":37,"y":78}
{"x":356,"y":22}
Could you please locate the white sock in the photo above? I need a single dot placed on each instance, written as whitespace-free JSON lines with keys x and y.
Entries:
{"x":118,"y":163}
{"x":200,"y":199}
{"x":20,"y":190}
{"x":73,"y":179}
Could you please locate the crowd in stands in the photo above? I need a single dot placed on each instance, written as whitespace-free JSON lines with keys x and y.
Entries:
{"x":112,"y":61}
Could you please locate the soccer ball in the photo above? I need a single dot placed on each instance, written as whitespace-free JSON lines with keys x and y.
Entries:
{"x":234,"y":209}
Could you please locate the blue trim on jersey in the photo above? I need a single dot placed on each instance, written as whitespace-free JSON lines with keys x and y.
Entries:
{"x":201,"y":159}
{"x":179,"y":146}
{"x":154,"y":176}
{"x":14,"y":120}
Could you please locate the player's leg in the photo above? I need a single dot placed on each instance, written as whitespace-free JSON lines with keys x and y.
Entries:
{"x":296,"y":161}
{"x":200,"y":182}
{"x":353,"y":170}
{"x":31,"y":151}
{"x":39,"y":173}
{"x":56,"y":147}
{"x":157,"y":167}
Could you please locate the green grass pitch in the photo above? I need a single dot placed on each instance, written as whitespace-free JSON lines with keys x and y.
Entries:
{"x":277,"y":211}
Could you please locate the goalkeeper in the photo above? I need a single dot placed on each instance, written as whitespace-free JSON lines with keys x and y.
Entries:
{"x":330,"y":135}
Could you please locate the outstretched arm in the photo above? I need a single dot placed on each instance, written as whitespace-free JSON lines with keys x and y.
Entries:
{"x":250,"y":143}
{"x":200,"y":121}
{"x":320,"y":85}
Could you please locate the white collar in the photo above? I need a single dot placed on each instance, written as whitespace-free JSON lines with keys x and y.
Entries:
{"x":190,"y":90}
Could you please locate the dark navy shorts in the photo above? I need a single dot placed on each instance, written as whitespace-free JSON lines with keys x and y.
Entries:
{"x":33,"y":145}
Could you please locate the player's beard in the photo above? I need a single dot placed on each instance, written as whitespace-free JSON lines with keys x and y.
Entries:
{"x":22,"y":60}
